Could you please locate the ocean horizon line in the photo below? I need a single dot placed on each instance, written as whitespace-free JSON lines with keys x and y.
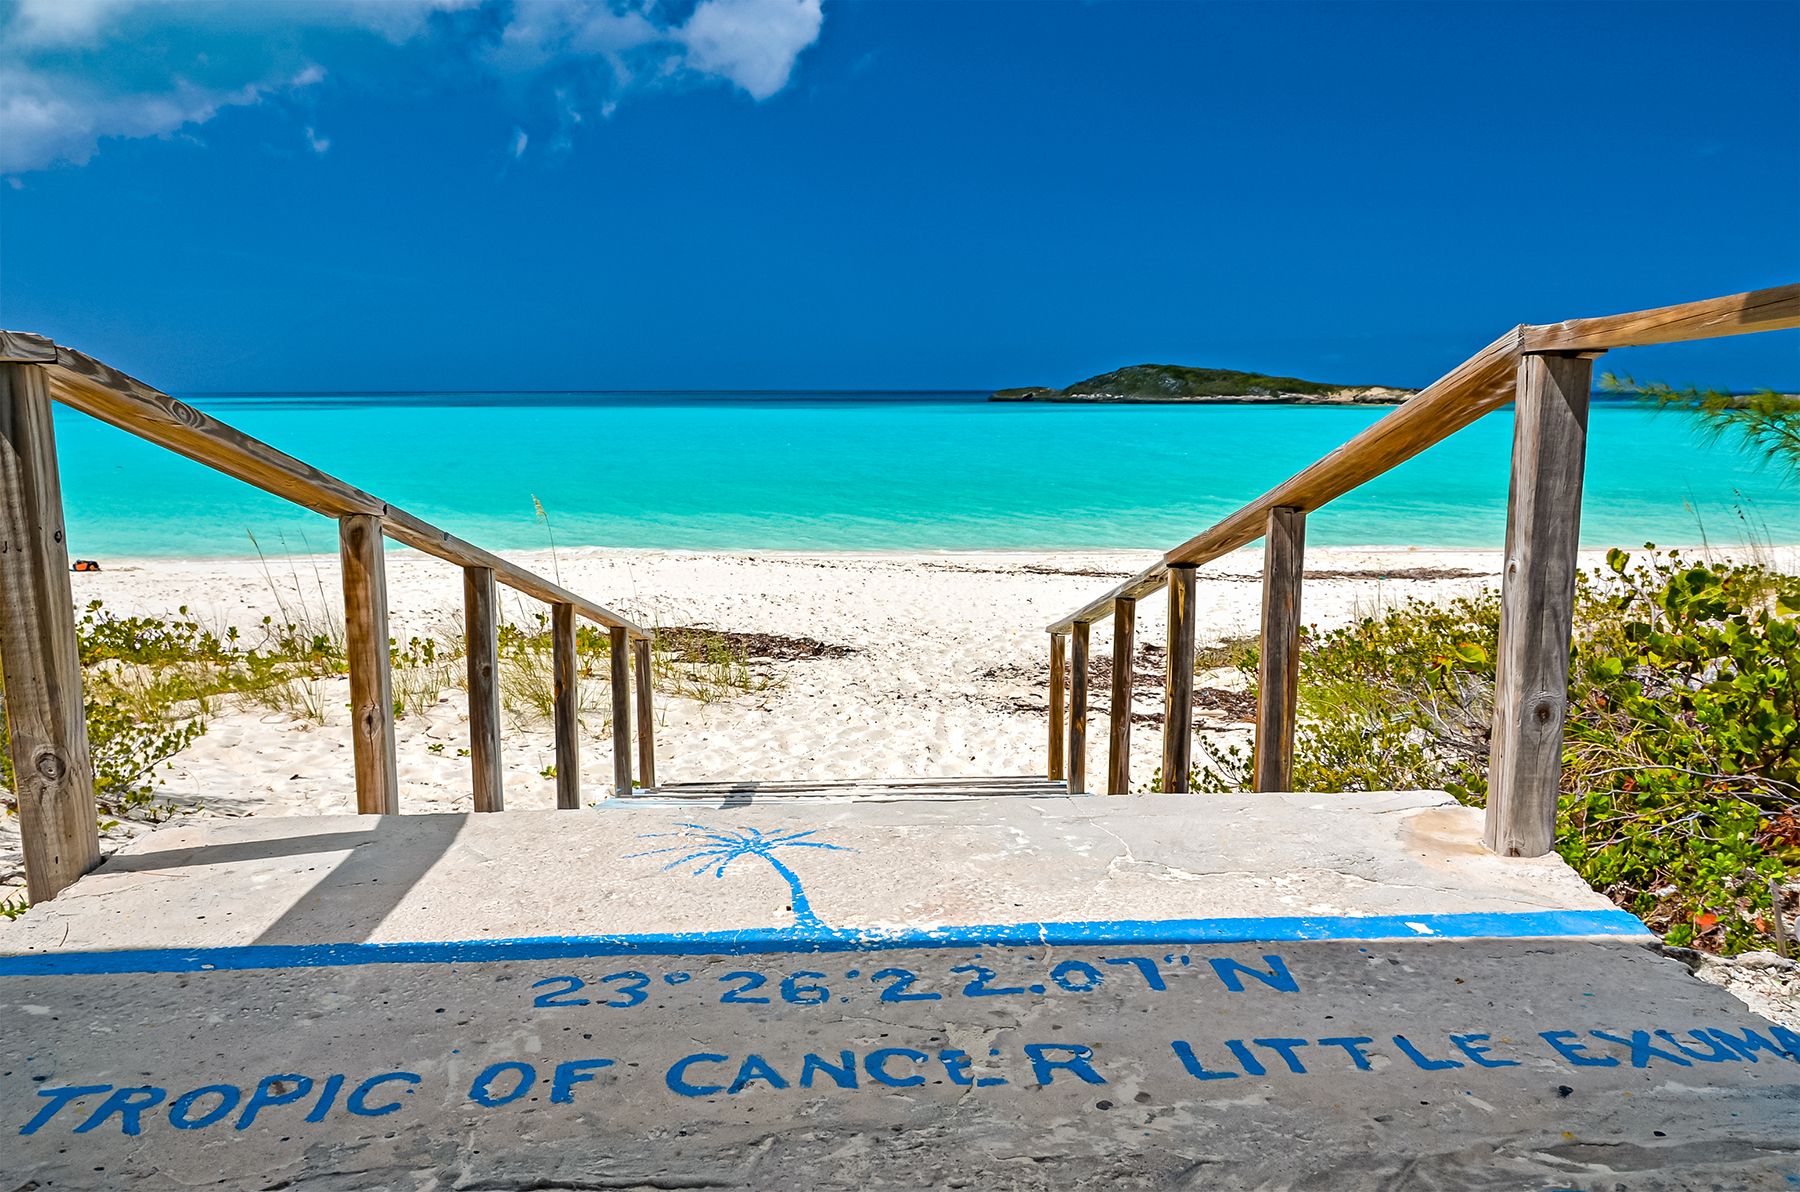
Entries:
{"x":829,"y":389}
{"x":1598,"y":394}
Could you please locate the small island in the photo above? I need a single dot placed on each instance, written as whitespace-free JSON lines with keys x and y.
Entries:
{"x":1169,"y":383}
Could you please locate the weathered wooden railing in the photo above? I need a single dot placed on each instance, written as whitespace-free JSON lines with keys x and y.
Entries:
{"x":1546,"y":372}
{"x":38,"y":652}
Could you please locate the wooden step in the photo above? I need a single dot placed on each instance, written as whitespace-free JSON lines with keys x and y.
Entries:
{"x":871,"y":789}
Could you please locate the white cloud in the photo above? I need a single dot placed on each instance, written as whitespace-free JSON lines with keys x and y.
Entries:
{"x":76,"y":72}
{"x":395,"y":20}
{"x":82,"y":22}
{"x":542,"y":32}
{"x":46,"y":119}
{"x":519,"y":141}
{"x":61,"y":22}
{"x":754,"y":43}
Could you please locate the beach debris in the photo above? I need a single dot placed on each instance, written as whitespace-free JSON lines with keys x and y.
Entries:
{"x":773,"y":647}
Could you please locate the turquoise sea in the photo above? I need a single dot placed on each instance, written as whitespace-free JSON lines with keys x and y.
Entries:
{"x":872,"y":471}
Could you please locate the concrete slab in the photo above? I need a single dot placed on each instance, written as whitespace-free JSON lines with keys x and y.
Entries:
{"x":883,"y":868}
{"x":1268,"y":991}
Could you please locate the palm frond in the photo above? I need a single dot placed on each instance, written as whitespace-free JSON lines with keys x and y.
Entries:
{"x":1765,"y":424}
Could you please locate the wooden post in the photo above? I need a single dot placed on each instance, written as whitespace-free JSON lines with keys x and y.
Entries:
{"x":1118,"y":743}
{"x":1178,"y":698}
{"x":567,"y":712}
{"x":1278,"y":667}
{"x":1078,"y":700}
{"x":39,"y":657}
{"x":1056,"y":707}
{"x":620,"y":656}
{"x":366,"y":648}
{"x":1537,"y":601}
{"x":646,"y":735}
{"x":481,"y":617}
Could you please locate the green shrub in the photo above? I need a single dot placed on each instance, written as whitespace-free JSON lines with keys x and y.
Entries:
{"x":125,"y":753}
{"x":138,"y":673}
{"x":149,"y":684}
{"x":1681,"y":767}
{"x":1682,"y":789}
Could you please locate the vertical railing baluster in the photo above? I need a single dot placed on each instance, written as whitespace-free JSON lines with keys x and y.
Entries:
{"x":1278,"y":658}
{"x":567,"y":712}
{"x":1078,"y":707}
{"x":361,"y":550}
{"x":1058,"y":770}
{"x":1118,"y":737}
{"x":482,"y":631}
{"x":53,"y":779}
{"x":646,"y":734}
{"x":1178,"y":695}
{"x":1537,"y":602}
{"x":619,"y":655}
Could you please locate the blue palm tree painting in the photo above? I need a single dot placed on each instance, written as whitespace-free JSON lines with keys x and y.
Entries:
{"x":714,"y":849}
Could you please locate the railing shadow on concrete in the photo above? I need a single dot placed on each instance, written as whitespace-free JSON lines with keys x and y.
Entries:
{"x":39,"y":652}
{"x":1546,"y":372}
{"x":365,"y":886}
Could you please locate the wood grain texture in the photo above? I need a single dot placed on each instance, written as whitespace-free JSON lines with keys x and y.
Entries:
{"x":1078,"y":707}
{"x":25,"y":348}
{"x":1537,"y":599}
{"x":1773,"y":309}
{"x":481,"y":618}
{"x":364,"y":561}
{"x":1058,"y":764}
{"x":1278,"y":660}
{"x":1178,"y":688}
{"x":39,"y":656}
{"x":620,"y":658}
{"x":566,"y":712}
{"x":643,"y":679}
{"x":1118,"y":729}
{"x":1478,"y":386}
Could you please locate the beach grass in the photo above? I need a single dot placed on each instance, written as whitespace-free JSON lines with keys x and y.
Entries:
{"x":526,"y":672}
{"x":424,"y":669}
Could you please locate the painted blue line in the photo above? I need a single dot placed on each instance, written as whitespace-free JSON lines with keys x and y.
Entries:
{"x":1351,"y":928}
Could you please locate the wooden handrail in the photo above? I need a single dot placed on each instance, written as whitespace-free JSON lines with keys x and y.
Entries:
{"x":1550,"y":365}
{"x":37,"y":633}
{"x":80,"y":382}
{"x":1476,"y":387}
{"x":1776,"y":309}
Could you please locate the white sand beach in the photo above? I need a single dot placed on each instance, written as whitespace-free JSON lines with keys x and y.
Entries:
{"x":933,"y":665}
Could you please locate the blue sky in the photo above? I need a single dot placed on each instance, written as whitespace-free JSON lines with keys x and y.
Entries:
{"x":418,"y":194}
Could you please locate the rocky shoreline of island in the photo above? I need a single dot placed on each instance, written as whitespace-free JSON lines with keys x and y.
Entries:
{"x":1172,"y":384}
